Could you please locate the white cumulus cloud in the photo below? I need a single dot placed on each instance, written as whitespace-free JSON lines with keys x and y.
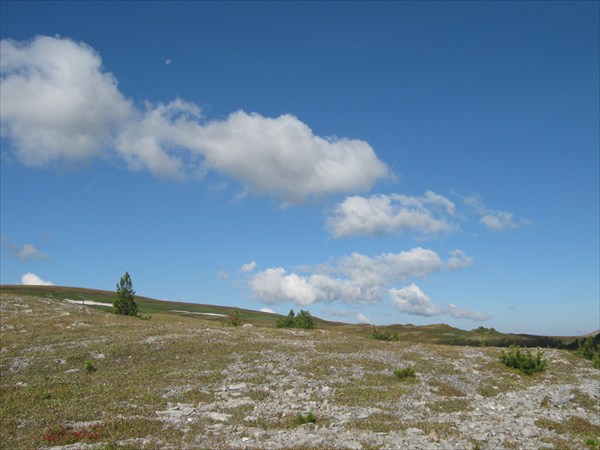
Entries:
{"x":412,"y":300}
{"x":267,"y":310}
{"x":356,"y":278}
{"x":394,"y":213}
{"x":248,"y":267}
{"x":58,"y":104}
{"x":31,"y":279}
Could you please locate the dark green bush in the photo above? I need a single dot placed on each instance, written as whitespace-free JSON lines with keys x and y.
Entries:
{"x":526,"y":362}
{"x":301,"y":419}
{"x":407,"y":372}
{"x":587,"y":350}
{"x":302,"y":320}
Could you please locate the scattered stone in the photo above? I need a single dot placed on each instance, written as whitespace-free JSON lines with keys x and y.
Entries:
{"x":433,"y":436}
{"x":481,"y":437}
{"x":530,"y":432}
{"x":219,"y":417}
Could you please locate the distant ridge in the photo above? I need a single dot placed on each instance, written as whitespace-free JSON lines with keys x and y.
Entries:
{"x":435,"y":333}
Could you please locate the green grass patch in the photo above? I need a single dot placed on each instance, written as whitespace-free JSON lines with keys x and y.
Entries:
{"x":405,"y":373}
{"x":302,"y":419}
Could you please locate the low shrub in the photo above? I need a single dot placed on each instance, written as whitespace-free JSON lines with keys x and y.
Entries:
{"x":89,"y":366}
{"x":384,"y":336}
{"x":301,"y":419}
{"x":587,"y":350}
{"x":407,"y":372}
{"x":592,"y":443}
{"x":526,"y":362}
{"x":61,"y":435}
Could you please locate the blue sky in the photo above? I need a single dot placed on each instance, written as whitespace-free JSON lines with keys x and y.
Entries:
{"x":372,"y":162}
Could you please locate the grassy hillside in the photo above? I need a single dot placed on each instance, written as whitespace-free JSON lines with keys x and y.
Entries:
{"x":80,"y":377}
{"x":436,"y":333}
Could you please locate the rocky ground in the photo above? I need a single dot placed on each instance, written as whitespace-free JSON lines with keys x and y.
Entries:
{"x":181,"y":382}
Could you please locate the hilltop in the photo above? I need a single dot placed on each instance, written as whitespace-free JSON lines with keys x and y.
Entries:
{"x":78,"y":377}
{"x":434,"y":333}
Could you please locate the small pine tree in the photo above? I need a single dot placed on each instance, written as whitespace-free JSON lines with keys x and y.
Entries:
{"x":234,"y":318}
{"x":125,"y":304}
{"x":287,"y":321}
{"x":304,"y":320}
{"x":301,"y":320}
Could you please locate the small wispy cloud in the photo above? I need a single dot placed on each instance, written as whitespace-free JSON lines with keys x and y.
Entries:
{"x":459,"y":260}
{"x":363,"y":319}
{"x":224,"y":276}
{"x":499,"y":221}
{"x":168,"y":62}
{"x":494,"y":220}
{"x":248,"y":267}
{"x":25,"y":252}
{"x":31,"y":279}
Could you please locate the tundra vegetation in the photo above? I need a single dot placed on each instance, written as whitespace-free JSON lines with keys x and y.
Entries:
{"x":82,"y":377}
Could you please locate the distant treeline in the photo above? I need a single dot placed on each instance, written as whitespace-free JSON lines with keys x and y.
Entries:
{"x":523,"y":340}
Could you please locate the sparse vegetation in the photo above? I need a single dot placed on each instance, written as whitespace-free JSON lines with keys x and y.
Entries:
{"x":526,"y":362}
{"x":406,"y":372}
{"x":302,"y":320}
{"x":125,"y":303}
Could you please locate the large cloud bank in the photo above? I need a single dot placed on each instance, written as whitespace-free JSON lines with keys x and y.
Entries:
{"x":59,"y":105}
{"x":361,"y":279}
